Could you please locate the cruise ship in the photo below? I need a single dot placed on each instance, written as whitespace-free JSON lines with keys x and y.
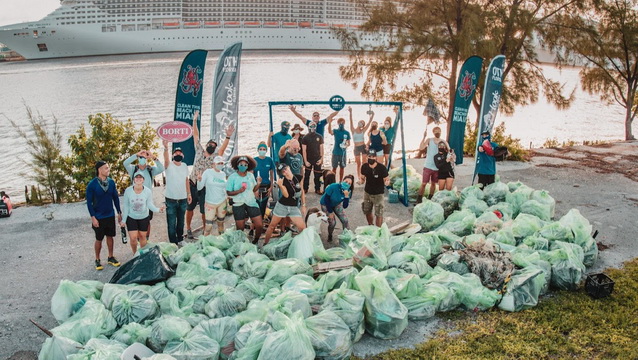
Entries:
{"x":105,"y":27}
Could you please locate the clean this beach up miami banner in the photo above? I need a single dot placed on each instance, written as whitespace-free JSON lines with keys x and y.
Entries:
{"x":465,"y":90}
{"x":225,"y":99}
{"x":189,"y":96}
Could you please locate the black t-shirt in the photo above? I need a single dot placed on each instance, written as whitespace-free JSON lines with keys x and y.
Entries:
{"x":374,"y":178}
{"x":313,"y":143}
{"x":294,"y":192}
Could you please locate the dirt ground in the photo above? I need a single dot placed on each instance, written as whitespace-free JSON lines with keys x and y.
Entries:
{"x":600,"y":181}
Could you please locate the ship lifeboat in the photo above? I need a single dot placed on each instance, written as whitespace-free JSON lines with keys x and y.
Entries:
{"x":271,"y":24}
{"x":192,"y":24}
{"x":339,"y":26}
{"x":304,"y":24}
{"x":171,"y":25}
{"x":289,"y":24}
{"x":321,"y":26}
{"x":212,"y":24}
{"x":231,"y":24}
{"x":252,"y":24}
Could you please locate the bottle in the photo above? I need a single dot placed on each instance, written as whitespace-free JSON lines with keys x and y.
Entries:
{"x":124,"y":237}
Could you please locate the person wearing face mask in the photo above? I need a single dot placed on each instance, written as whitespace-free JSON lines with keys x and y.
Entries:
{"x":148,"y":172}
{"x":376,"y":139}
{"x":288,"y":204}
{"x":215,"y":203}
{"x":430,"y":171}
{"x":138,"y":204}
{"x":485,"y":160}
{"x":279,"y":139}
{"x":389,"y":132}
{"x":289,"y":155}
{"x":340,"y":149}
{"x":312,"y":152}
{"x":358,"y":136}
{"x":335,"y":199}
{"x":204,"y":159}
{"x":266,"y":170}
{"x":241,"y":187}
{"x":176,"y":193}
{"x":444,"y":160}
{"x":377,"y":179}
{"x":321,"y":123}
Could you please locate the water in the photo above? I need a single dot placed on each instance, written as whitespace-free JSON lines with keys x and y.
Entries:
{"x":142,"y":88}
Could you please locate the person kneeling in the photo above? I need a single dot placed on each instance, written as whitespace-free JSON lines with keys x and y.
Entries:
{"x":291,"y":194}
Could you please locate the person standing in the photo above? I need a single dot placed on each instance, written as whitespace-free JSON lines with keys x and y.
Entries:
{"x":101,"y":196}
{"x":241,"y":187}
{"x":312,"y":152}
{"x":376,"y":139}
{"x":377,"y":179}
{"x":340,"y":149}
{"x":321,"y":124}
{"x":176,"y":193}
{"x":430,"y":171}
{"x":266,"y":170}
{"x":289,"y":155}
{"x":335,"y":199}
{"x":148,"y":172}
{"x":214,"y":181}
{"x":486,"y":162}
{"x":358,"y":136}
{"x":276,"y":141}
{"x":288,"y":204}
{"x":444,"y":160}
{"x":138,"y":204}
{"x":204,"y":159}
{"x":389,"y":132}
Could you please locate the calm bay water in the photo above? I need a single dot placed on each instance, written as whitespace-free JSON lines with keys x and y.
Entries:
{"x":142,"y":88}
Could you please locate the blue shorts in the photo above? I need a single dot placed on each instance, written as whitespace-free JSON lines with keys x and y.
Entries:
{"x":338,"y":161}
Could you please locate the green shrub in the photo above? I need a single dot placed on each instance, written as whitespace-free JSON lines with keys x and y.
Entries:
{"x":514,"y":146}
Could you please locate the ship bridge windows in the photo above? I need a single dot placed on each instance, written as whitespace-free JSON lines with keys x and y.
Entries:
{"x":42,"y":47}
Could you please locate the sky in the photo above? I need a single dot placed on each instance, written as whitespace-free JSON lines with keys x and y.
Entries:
{"x":17,"y":11}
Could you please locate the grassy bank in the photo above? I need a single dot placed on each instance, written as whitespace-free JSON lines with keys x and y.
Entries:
{"x":564,"y":325}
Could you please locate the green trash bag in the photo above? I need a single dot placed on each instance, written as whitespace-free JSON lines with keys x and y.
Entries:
{"x":227,"y":302}
{"x":58,"y":347}
{"x":134,"y":306}
{"x":414,"y":184}
{"x":582,"y":229}
{"x":448,"y":199}
{"x":92,"y":320}
{"x":256,"y":310}
{"x":427,"y":245}
{"x":237,"y":250}
{"x":514,"y":185}
{"x":526,"y":225}
{"x":159,"y":357}
{"x":332,"y":254}
{"x":504,"y":208}
{"x":234,"y":236}
{"x":403,"y":284}
{"x":70,"y":296}
{"x":474,"y":205}
{"x":305,"y":245}
{"x":428,"y":214}
{"x":468,"y":289}
{"x":132,"y":333}
{"x":222,"y":330}
{"x":447,"y":237}
{"x":567,"y":265}
{"x":190,"y":275}
{"x":518,"y":197}
{"x":290,"y":341}
{"x":410,"y":262}
{"x":254,"y":288}
{"x":503,"y":236}
{"x":556,"y":231}
{"x":436,"y":295}
{"x":460,"y":223}
{"x":194,"y":346}
{"x":183,"y":254}
{"x":398,"y":242}
{"x":346,"y":237}
{"x":103,"y":349}
{"x":277,"y":248}
{"x":348,"y":305}
{"x":223,"y":277}
{"x":214,"y":257}
{"x":385,"y":316}
{"x":533,"y":207}
{"x":526,"y":257}
{"x":288,"y":302}
{"x":536,"y":242}
{"x":397,"y":173}
{"x":487,"y":223}
{"x":335,"y":278}
{"x":543,"y":197}
{"x":217,"y":241}
{"x":284,"y":269}
{"x":167,"y":328}
{"x":495,"y":193}
{"x":381,"y":235}
{"x":330,"y":336}
{"x":249,"y":340}
{"x":367,"y":250}
{"x":473,"y":191}
{"x":451,"y":261}
{"x":306,"y":285}
{"x":523,"y":289}
{"x":252,"y":265}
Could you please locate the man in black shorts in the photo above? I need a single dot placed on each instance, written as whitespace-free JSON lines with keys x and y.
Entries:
{"x":377,"y":179}
{"x":101,"y":196}
{"x":312,"y":146}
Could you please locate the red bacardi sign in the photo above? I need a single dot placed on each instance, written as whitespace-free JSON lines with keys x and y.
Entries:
{"x":175,"y":131}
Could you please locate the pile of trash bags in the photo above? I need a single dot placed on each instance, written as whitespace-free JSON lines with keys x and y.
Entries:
{"x":228,"y":299}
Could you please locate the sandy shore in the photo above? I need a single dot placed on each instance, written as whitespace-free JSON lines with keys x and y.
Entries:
{"x":600,"y":181}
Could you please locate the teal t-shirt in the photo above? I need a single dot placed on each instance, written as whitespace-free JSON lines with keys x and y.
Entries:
{"x":340,"y":137}
{"x":247,"y":197}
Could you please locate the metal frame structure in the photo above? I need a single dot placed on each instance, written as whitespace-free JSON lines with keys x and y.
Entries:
{"x":405,"y":199}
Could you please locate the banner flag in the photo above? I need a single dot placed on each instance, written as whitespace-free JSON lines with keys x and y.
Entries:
{"x":432,"y":112}
{"x":226,"y":99}
{"x":189,"y":96}
{"x":465,"y":90}
{"x":491,"y":99}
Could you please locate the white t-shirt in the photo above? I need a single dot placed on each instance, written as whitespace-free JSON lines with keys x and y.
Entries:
{"x":136,"y":206}
{"x":215,"y":182}
{"x":176,"y":181}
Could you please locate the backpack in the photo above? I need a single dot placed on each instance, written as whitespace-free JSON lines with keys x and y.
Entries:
{"x":500,"y":153}
{"x":150,"y":174}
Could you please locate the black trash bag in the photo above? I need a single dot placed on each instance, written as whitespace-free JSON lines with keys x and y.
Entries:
{"x":146,"y":269}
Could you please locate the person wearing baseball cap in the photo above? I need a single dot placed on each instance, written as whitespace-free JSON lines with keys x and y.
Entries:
{"x":101,"y":197}
{"x":376,"y":179}
{"x":176,"y":193}
{"x":485,"y":160}
{"x":215,"y":202}
{"x":279,"y":139}
{"x":138,"y":203}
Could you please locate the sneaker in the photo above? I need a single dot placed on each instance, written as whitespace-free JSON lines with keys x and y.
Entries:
{"x":112,"y":261}
{"x":318,"y":192}
{"x":98,"y":265}
{"x":189,"y":234}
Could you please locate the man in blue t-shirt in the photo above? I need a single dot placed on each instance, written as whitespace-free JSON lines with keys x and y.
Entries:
{"x":279,"y":139}
{"x":321,"y":124}
{"x":265,"y":169}
{"x":340,"y":149}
